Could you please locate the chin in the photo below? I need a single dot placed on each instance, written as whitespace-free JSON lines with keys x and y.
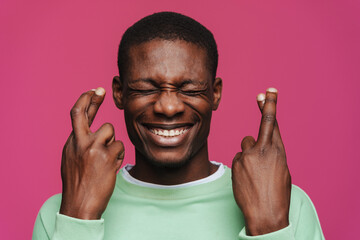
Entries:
{"x":168,"y":160}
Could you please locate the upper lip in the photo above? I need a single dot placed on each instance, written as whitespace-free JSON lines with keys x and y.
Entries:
{"x":167,"y":126}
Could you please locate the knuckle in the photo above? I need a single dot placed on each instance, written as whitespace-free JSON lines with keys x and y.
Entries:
{"x":121,"y":155}
{"x":271,"y":100}
{"x":245,"y":138}
{"x":236,"y":159}
{"x":75,"y":111}
{"x":248,"y":139}
{"x":81,"y":147}
{"x":246,"y":157}
{"x":108,"y":127}
{"x":121,"y":146}
{"x":118,"y":149}
{"x":94,"y":102}
{"x":237,"y":156}
{"x":79,"y":150}
{"x":262,"y":151}
{"x":268,"y":117}
{"x":97,"y":153}
{"x":247,"y":143}
{"x":94,"y":105}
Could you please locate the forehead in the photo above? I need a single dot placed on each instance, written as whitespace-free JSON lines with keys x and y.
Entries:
{"x":168,"y":61}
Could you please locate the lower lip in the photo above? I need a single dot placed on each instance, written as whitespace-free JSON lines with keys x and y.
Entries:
{"x":163,"y":141}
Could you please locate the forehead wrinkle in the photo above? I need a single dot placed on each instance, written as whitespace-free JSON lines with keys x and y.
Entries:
{"x":164,"y":59}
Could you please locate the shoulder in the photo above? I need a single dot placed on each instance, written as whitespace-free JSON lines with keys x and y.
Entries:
{"x":299,"y":197}
{"x":49,"y":209}
{"x":52,"y":204}
{"x":45,"y":221}
{"x":302,"y":210}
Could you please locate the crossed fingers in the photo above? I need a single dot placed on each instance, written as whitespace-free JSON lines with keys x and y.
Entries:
{"x":82,"y":116}
{"x":261,"y":178}
{"x":84,"y":111}
{"x":90,"y":161}
{"x":269,"y":130}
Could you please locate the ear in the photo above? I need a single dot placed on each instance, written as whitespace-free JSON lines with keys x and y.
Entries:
{"x":217,"y":89}
{"x":117,"y":87}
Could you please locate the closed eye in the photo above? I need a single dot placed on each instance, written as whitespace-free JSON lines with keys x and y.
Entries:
{"x":192,"y":92}
{"x":144,"y":91}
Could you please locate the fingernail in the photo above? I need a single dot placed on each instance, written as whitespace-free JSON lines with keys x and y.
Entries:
{"x":260,"y":97}
{"x":100,"y":91}
{"x":273,"y":90}
{"x":93,"y":90}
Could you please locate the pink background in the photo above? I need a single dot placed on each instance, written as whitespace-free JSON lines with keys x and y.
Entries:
{"x":51,"y":52}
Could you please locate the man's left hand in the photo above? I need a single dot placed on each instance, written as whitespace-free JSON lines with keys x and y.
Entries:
{"x":260,"y":175}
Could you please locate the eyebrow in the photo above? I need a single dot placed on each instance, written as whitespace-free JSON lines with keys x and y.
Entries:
{"x":195,"y":82}
{"x":147,"y":80}
{"x":183,"y":83}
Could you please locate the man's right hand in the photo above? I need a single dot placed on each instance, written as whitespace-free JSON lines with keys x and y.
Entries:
{"x":89,"y":161}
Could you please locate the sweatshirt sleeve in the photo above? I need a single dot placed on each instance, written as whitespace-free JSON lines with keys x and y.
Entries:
{"x":39,"y":231}
{"x":282,"y":234}
{"x":72,"y":228}
{"x":50,"y":224}
{"x":304,"y":222}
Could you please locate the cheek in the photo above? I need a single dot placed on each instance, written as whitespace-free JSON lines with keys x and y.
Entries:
{"x":137,"y":105}
{"x":201,"y":105}
{"x":133,"y":108}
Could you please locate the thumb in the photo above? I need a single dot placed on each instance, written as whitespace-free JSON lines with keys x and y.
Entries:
{"x":236,"y":159}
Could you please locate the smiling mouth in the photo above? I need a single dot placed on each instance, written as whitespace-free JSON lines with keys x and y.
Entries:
{"x":169,"y":131}
{"x":167,"y":135}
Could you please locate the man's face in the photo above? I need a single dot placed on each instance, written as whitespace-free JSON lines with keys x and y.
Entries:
{"x":168,"y":97}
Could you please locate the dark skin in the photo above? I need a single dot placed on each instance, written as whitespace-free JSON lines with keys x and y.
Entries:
{"x":168,"y":96}
{"x":159,"y":93}
{"x":261,"y":178}
{"x":89,"y":161}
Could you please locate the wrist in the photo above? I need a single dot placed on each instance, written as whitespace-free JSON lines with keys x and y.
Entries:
{"x":263,"y":226}
{"x":80,"y":212}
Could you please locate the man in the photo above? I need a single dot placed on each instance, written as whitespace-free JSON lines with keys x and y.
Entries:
{"x":168,"y":89}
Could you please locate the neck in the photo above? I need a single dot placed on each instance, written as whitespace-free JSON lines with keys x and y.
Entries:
{"x":196,"y":168}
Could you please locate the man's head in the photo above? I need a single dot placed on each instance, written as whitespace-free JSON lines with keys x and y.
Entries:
{"x":167,"y":89}
{"x":168,"y":26}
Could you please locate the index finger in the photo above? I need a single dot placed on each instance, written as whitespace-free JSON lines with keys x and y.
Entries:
{"x":268,"y":118}
{"x":80,"y":118}
{"x":96,"y":101}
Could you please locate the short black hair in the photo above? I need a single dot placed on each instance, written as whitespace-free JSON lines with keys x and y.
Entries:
{"x":168,"y":26}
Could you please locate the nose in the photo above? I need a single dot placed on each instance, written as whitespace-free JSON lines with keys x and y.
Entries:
{"x":169,"y":104}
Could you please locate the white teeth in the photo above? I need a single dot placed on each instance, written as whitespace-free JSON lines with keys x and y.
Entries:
{"x":168,"y":133}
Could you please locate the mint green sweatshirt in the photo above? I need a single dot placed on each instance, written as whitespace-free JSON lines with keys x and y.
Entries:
{"x":205,"y":211}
